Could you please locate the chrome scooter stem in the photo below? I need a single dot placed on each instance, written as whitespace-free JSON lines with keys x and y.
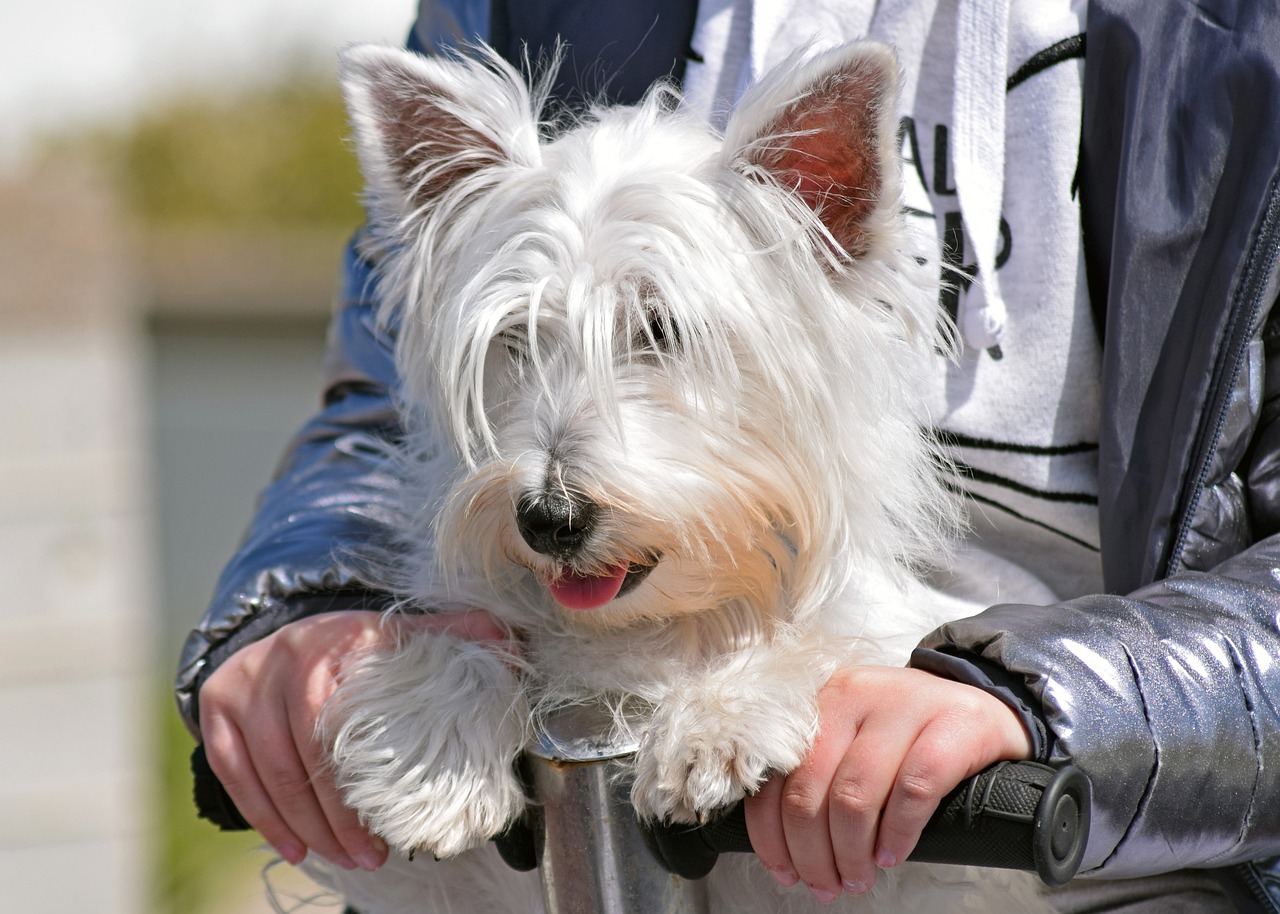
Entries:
{"x":593,"y":856}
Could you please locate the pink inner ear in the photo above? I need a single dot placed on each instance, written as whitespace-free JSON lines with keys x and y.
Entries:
{"x":836,"y":173}
{"x":826,"y":147}
{"x":426,"y":144}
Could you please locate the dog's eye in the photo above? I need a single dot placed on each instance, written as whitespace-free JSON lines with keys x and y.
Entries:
{"x":515,"y":343}
{"x":659,"y":333}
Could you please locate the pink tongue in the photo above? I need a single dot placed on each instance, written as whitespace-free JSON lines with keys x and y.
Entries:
{"x":575,"y":591}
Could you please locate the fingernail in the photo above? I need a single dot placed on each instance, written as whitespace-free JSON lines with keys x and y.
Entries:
{"x":885,"y":860}
{"x":784,"y":877}
{"x":369,"y":860}
{"x":855,"y":888}
{"x":291,"y":853}
{"x":822,"y":896}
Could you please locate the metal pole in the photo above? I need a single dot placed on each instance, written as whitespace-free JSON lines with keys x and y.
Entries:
{"x":593,"y":856}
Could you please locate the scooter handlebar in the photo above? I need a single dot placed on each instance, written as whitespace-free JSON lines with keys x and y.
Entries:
{"x":1014,"y":815}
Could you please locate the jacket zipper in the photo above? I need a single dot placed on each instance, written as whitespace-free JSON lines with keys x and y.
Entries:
{"x":1265,"y":252}
{"x":1266,"y":904}
{"x":1261,"y":259}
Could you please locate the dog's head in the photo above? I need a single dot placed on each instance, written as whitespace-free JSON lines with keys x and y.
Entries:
{"x":677,"y":368}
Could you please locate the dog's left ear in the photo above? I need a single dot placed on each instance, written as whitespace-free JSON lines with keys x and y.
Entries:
{"x":426,"y":125}
{"x":826,"y":128}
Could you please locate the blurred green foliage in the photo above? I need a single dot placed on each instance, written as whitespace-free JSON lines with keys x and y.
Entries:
{"x":274,"y":154}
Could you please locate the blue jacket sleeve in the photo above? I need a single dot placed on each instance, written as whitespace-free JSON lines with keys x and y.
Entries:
{"x":332,"y":491}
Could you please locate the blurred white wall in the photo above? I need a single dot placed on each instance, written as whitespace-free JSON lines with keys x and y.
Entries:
{"x":75,"y":622}
{"x":141,"y":408}
{"x":145,"y":396}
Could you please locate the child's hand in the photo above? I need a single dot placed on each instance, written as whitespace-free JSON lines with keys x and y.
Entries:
{"x":258,"y":715}
{"x":892,"y":742}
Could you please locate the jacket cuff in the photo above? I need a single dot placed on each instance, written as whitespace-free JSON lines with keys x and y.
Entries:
{"x":201,"y":656}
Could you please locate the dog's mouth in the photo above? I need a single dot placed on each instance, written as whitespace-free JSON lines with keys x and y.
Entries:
{"x":583,"y":592}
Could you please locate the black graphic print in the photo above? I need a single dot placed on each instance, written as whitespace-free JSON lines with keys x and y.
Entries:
{"x":1050,"y":486}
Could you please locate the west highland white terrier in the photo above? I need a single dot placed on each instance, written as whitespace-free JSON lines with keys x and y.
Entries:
{"x":663,"y":389}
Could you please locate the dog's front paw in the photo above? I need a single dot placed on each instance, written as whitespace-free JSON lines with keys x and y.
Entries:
{"x":701,"y":753}
{"x":689,"y":785}
{"x":424,"y":743}
{"x":441,"y":812}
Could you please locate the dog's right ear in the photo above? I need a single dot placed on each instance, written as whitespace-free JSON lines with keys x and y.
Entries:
{"x":825,"y":129}
{"x":429,"y":126}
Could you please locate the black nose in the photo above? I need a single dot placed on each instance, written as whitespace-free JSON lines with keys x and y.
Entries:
{"x":553,"y":524}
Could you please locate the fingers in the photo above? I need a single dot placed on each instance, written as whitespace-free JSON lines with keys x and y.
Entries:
{"x":816,"y":824}
{"x":230,"y":761}
{"x":830,"y":807}
{"x":891,"y":744}
{"x":287,"y":784}
{"x":258,"y":714}
{"x":279,"y":782}
{"x":860,"y":785}
{"x":258,"y":717}
{"x":967,"y":731}
{"x":310,"y":802}
{"x":928,"y":772}
{"x":805,"y":810}
{"x":764,"y":825}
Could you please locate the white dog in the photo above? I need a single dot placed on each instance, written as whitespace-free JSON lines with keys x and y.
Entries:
{"x":664,"y":395}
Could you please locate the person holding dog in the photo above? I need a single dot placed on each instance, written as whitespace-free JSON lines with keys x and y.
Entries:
{"x":1157,"y":675}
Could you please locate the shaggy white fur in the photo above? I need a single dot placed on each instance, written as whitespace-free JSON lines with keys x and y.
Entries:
{"x":663,"y":395}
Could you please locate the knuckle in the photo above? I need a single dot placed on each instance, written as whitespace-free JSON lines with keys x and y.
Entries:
{"x":353,"y":624}
{"x":842,"y":678}
{"x":226,"y":763}
{"x":920,"y":787}
{"x":297,"y":639}
{"x":963,"y":709}
{"x":924,"y":778}
{"x":216,"y":698}
{"x":853,"y":799}
{"x":216,"y":739}
{"x":800,"y":802}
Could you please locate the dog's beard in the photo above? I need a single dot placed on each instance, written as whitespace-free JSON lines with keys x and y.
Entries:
{"x":677,"y":527}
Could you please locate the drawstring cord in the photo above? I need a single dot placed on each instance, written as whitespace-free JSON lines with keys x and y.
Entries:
{"x":978,"y":130}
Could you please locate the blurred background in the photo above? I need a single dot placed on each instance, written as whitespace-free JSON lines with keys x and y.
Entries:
{"x":175,"y":190}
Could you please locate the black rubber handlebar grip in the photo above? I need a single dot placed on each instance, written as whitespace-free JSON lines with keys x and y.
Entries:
{"x":1014,"y":815}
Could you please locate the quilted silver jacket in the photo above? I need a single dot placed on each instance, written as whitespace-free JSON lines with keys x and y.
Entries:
{"x":1165,"y":690}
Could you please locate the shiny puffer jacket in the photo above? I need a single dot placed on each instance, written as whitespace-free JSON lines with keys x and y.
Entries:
{"x":1166,"y":690}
